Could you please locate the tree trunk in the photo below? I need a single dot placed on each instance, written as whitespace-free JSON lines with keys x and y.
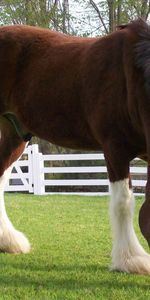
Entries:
{"x":43,"y":13}
{"x":119,"y":12}
{"x":145,"y":9}
{"x":65,"y":16}
{"x":111,"y":15}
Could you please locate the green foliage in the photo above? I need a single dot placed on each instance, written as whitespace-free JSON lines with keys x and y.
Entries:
{"x":70,"y":257}
{"x":36,"y":12}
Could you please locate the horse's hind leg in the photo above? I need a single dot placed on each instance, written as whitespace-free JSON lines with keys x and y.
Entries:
{"x":11,"y":240}
{"x":127,"y":253}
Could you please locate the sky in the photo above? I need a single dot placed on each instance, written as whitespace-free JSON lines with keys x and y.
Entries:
{"x":85,"y":19}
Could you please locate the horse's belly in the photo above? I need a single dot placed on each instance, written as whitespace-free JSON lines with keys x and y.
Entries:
{"x":70,"y":138}
{"x":69,"y":134}
{"x":64,"y":128}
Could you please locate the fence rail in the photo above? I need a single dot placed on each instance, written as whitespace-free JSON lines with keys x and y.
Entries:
{"x":31,"y":174}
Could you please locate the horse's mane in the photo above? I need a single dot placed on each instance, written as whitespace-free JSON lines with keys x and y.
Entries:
{"x":142,"y":47}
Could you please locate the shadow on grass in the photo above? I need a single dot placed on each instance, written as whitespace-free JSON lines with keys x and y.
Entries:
{"x":68,"y":277}
{"x":53,"y":267}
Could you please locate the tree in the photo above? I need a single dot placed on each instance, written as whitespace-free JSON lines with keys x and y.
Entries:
{"x":102,"y":17}
{"x":120,"y":11}
{"x":53,"y":14}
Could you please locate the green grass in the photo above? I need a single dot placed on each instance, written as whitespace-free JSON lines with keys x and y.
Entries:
{"x":71,"y":246}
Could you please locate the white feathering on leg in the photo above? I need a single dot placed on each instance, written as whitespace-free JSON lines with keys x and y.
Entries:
{"x":127,"y":253}
{"x":11,"y":240}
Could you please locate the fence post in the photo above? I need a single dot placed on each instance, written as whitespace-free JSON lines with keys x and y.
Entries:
{"x":37,"y":168}
{"x":30,"y":167}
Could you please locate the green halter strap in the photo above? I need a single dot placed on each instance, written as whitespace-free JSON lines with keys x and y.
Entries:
{"x":25,"y":136}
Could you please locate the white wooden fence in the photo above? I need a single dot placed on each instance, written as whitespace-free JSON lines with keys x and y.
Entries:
{"x":31,"y":171}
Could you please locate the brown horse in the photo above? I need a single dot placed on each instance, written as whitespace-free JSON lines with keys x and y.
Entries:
{"x":81,"y":93}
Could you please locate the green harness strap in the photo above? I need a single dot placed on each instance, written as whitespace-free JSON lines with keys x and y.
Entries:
{"x":25,"y":136}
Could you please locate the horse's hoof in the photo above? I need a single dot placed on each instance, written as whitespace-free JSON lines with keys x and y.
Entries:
{"x":134,"y":265}
{"x":13,"y":241}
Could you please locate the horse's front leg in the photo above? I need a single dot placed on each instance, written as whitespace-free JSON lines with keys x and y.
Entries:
{"x":127,"y":253}
{"x":11,"y":147}
{"x":11,"y":240}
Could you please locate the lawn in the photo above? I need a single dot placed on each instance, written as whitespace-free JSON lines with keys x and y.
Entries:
{"x":71,"y":246}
